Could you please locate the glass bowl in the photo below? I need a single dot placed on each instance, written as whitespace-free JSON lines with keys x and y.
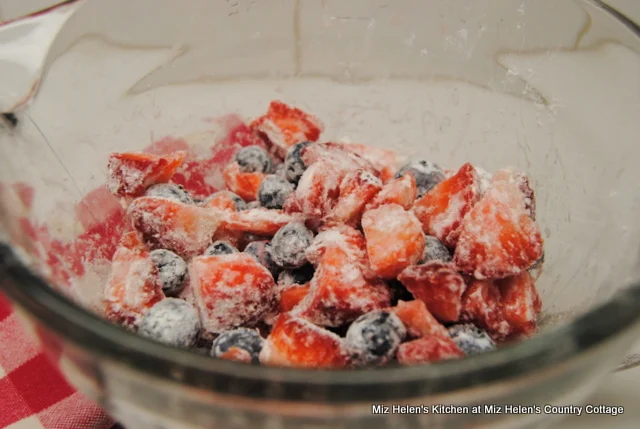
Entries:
{"x":552,"y":88}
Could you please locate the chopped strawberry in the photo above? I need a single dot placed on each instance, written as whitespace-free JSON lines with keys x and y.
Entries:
{"x":384,"y":161}
{"x":318,"y":190}
{"x":339,"y":292}
{"x":167,"y":224}
{"x":520,"y":303}
{"x":131,"y":173}
{"x":401,"y":191}
{"x":439,"y":285}
{"x":245,"y":184}
{"x":231,"y":291}
{"x":442,"y":209}
{"x":394,"y":239}
{"x":285,"y":126}
{"x":428,"y":349}
{"x":259,"y":221}
{"x":335,"y":154}
{"x":498,"y":238}
{"x":418,"y":320}
{"x":223,"y":200}
{"x":343,"y":237}
{"x":133,"y":286}
{"x":481,"y":304}
{"x":295,"y":342}
{"x":292,"y":295}
{"x":357,"y":188}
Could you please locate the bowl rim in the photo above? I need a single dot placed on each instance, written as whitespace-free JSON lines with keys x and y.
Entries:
{"x":58,"y":314}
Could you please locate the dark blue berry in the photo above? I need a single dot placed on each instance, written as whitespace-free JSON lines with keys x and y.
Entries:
{"x":240,"y":203}
{"x":427,"y":175}
{"x":220,"y":248}
{"x":374,"y":338}
{"x":172,"y":270}
{"x":435,"y":250}
{"x":298,"y":276}
{"x":169,"y":191}
{"x":260,"y":251}
{"x":274,"y":191}
{"x":248,"y":340}
{"x":289,"y":244}
{"x":254,"y":159}
{"x":293,"y":164}
{"x":171,"y":321}
{"x":471,"y":339}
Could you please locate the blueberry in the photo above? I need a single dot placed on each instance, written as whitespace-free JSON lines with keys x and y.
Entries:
{"x":470,"y":339}
{"x":240,"y":203}
{"x":169,"y":191}
{"x":260,"y":251}
{"x":248,"y":340}
{"x":274,"y":191}
{"x":171,"y":321}
{"x":172,"y":270}
{"x":374,"y":338}
{"x":298,"y":276}
{"x":220,"y":248}
{"x":427,"y":175}
{"x":280,"y":170}
{"x":254,"y":159}
{"x":289,"y":244}
{"x":435,"y":250}
{"x":293,"y":164}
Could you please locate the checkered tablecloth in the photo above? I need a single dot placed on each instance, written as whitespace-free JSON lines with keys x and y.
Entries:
{"x":33,"y":393}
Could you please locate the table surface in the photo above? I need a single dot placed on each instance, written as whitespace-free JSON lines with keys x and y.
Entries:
{"x":620,"y":389}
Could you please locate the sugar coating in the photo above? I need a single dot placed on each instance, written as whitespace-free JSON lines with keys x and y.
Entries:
{"x":435,"y":250}
{"x":172,"y":270}
{"x":170,"y":191}
{"x":471,"y":339}
{"x":344,"y":237}
{"x":171,"y":321}
{"x":373,"y":338}
{"x":239,"y":202}
{"x":318,"y":189}
{"x":289,"y":244}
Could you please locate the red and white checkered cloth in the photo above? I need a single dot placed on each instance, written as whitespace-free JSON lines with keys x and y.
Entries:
{"x":33,"y":393}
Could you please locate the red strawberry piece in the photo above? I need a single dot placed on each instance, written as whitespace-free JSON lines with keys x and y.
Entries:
{"x":131,"y":173}
{"x":428,"y":349}
{"x":357,"y":188}
{"x":259,"y":221}
{"x":318,"y":190}
{"x":521,"y":303}
{"x":394,"y":239}
{"x":343,"y":237}
{"x":295,"y":342}
{"x":481,"y":304}
{"x":246,"y":185}
{"x":231,"y":291}
{"x":166,"y":224}
{"x":442,"y":209}
{"x":284,"y":126}
{"x":133,"y":285}
{"x":439,"y":285}
{"x":418,"y":320}
{"x":292,"y":295}
{"x":401,"y":191}
{"x":335,"y":154}
{"x":222,"y":200}
{"x":498,"y":237}
{"x":384,"y":161}
{"x":340,"y":293}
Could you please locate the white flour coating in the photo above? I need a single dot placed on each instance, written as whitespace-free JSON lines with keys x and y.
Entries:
{"x":171,"y":321}
{"x":318,"y":188}
{"x":342,"y":237}
{"x":360,"y":340}
{"x":487,"y":312}
{"x":227,"y":295}
{"x":356,"y":189}
{"x":485,"y":179}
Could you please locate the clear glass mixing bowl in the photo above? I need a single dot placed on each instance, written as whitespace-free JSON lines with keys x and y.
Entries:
{"x":550,"y":87}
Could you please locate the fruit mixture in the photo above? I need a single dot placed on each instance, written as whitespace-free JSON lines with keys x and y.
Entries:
{"x":324,"y":255}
